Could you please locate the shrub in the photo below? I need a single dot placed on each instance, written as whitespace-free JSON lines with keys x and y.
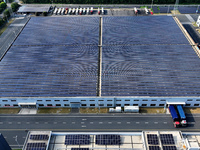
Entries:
{"x":14,"y":6}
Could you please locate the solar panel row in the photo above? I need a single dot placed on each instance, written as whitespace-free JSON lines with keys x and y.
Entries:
{"x":167,"y":139}
{"x":108,"y":139}
{"x":36,"y":146}
{"x":39,"y":137}
{"x":152,"y":139}
{"x":77,"y":139}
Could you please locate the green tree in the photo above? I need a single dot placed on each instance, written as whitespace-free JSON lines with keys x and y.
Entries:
{"x":3,"y":5}
{"x":1,"y":21}
{"x":6,"y":13}
{"x":14,"y":6}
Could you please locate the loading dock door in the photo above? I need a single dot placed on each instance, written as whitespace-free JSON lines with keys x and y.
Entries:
{"x":75,"y":104}
{"x":27,"y":105}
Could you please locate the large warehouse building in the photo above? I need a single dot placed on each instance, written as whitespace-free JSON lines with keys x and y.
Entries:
{"x":100,"y":62}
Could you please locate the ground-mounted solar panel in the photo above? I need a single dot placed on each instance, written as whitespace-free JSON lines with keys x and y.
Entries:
{"x":167,"y":139}
{"x":60,"y":31}
{"x":49,"y":71}
{"x":154,"y":147}
{"x":77,"y":139}
{"x":39,"y":137}
{"x":169,"y":148}
{"x":79,"y":148}
{"x":150,"y":70}
{"x":141,"y":30}
{"x":152,"y":139}
{"x":107,"y":139}
{"x":162,"y":9}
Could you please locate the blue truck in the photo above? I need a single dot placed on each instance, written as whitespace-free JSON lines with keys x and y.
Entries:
{"x":182,"y":115}
{"x":175,"y":116}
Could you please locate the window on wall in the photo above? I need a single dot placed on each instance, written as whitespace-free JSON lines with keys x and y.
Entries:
{"x":162,"y":100}
{"x":101,"y":104}
{"x":135,"y":104}
{"x":7,"y":104}
{"x":83,"y":104}
{"x":198,"y":100}
{"x":153,"y":105}
{"x":49,"y":105}
{"x":144,"y":100}
{"x":126,"y":104}
{"x":57,"y":100}
{"x":65,"y":100}
{"x":127,"y":100}
{"x":4,"y":100}
{"x":136,"y":99}
{"x":41,"y":105}
{"x":196,"y":104}
{"x":118,"y":104}
{"x":109,"y":100}
{"x":189,"y":100}
{"x":58,"y":104}
{"x":101,"y":100}
{"x":48,"y":100}
{"x":161,"y":104}
{"x":15,"y":105}
{"x":153,"y":100}
{"x":66,"y":104}
{"x":118,"y":100}
{"x":92,"y":104}
{"x":13,"y":100}
{"x":83,"y":100}
{"x":144,"y":104}
{"x":187,"y":104}
{"x":39,"y":100}
{"x":92,"y":100}
{"x":109,"y":104}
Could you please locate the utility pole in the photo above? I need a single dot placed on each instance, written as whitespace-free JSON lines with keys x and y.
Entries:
{"x":176,"y":6}
{"x":17,"y":141}
{"x":151,"y":3}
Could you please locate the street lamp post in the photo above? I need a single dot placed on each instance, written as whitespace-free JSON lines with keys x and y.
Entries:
{"x":151,"y":3}
{"x":17,"y":141}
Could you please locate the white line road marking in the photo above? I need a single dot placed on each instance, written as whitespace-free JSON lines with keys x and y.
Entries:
{"x":100,"y":122}
{"x":155,"y":122}
{"x":55,"y":123}
{"x":137,"y":122}
{"x":84,"y":119}
{"x":128,"y":122}
{"x":83,"y":126}
{"x":73,"y":122}
{"x":45,"y":122}
{"x":27,"y":122}
{"x":91,"y":122}
{"x":109,"y":122}
{"x":64,"y":122}
{"x":165,"y":122}
{"x":18,"y":122}
{"x":82,"y":122}
{"x":118,"y":122}
{"x":146,"y":122}
{"x":1,"y":122}
{"x":36,"y":122}
{"x":9,"y":122}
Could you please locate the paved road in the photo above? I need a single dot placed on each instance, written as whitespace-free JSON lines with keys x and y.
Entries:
{"x":16,"y":125}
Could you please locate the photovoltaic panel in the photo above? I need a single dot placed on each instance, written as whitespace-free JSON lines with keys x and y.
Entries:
{"x":49,"y":71}
{"x":154,"y":147}
{"x":79,"y":148}
{"x":77,"y":139}
{"x":36,"y":146}
{"x":105,"y":139}
{"x":169,"y":148}
{"x":141,"y":30}
{"x":162,"y":9}
{"x":167,"y":139}
{"x":39,"y":137}
{"x":152,"y":139}
{"x":150,"y":70}
{"x":187,"y":9}
{"x":60,"y":31}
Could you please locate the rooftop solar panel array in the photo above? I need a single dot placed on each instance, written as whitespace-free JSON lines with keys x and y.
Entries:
{"x":187,"y":9}
{"x":49,"y":71}
{"x":152,"y":139}
{"x":36,"y":146}
{"x":60,"y":31}
{"x":167,"y":139}
{"x":79,"y":148}
{"x":39,"y":137}
{"x":105,"y":139}
{"x":77,"y":139}
{"x":141,"y":30}
{"x":150,"y":70}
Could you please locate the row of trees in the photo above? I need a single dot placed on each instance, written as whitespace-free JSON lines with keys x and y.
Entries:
{"x":113,"y":1}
